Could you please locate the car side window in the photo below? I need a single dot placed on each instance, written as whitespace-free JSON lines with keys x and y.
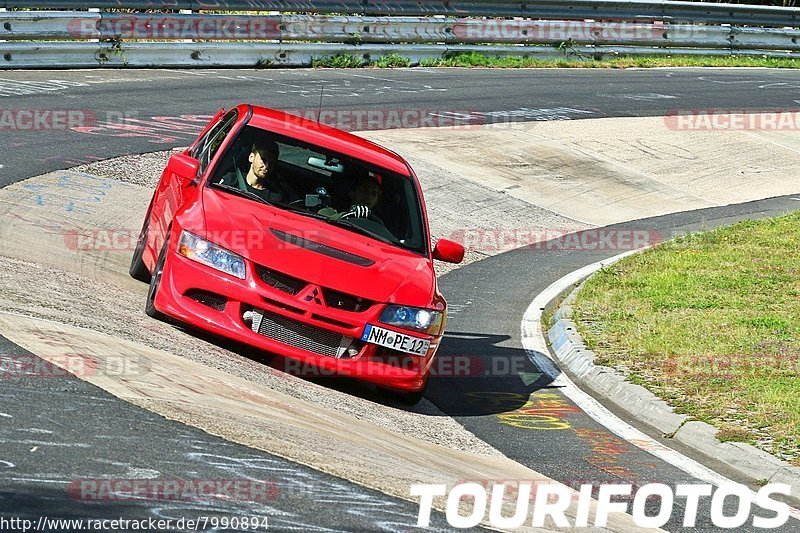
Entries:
{"x":207,"y":148}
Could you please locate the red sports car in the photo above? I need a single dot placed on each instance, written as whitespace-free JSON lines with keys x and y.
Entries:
{"x":301,"y":240}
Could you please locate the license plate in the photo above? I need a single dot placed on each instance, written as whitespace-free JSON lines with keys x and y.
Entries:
{"x":395,"y":341}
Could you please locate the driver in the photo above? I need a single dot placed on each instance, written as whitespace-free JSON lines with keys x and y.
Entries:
{"x":262,"y":176}
{"x":364,"y":197}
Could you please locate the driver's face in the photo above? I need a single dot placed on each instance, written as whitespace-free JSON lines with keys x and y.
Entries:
{"x":368,"y":192}
{"x":260,"y":165}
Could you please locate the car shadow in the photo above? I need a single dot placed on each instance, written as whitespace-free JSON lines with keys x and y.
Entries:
{"x":479,"y":374}
{"x":279,"y":364}
{"x":473,"y":374}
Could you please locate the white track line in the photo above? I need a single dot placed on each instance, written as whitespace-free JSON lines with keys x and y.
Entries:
{"x":535,"y":345}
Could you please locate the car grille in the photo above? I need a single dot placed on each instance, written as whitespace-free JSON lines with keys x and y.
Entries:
{"x":282,"y":282}
{"x":347,"y":302}
{"x":209,"y":299}
{"x":291,"y":285}
{"x":300,"y":335}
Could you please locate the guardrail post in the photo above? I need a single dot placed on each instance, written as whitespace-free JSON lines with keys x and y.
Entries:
{"x":186,"y":12}
{"x":94,"y":10}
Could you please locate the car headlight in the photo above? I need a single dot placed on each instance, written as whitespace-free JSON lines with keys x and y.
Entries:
{"x":413,"y":318}
{"x":210,"y":254}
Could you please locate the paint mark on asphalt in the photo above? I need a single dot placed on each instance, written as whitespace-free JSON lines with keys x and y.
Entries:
{"x":158,"y":130}
{"x":727,"y":82}
{"x":72,"y":193}
{"x":23,"y":88}
{"x":541,"y":410}
{"x":522,"y":113}
{"x":48,"y":443}
{"x":388,"y":516}
{"x":780,"y":85}
{"x":606,"y":452}
{"x":641,"y":97}
{"x":454,"y":309}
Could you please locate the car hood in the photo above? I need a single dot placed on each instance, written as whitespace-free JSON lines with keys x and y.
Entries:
{"x":318,"y":252}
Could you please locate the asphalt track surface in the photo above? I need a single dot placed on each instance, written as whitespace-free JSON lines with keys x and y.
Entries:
{"x":487,"y":308}
{"x":135,"y":97}
{"x":551,"y":435}
{"x":68,"y":473}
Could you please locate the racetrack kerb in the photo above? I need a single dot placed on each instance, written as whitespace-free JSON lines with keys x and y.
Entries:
{"x":722,"y":341}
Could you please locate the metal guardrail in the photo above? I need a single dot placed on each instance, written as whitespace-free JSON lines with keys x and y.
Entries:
{"x":705,"y":12}
{"x":585,"y":29}
{"x":192,"y":55}
{"x":355,"y":29}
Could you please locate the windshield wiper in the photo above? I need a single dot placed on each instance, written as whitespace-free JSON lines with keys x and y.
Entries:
{"x":240,"y":192}
{"x":337,"y":222}
{"x":342,"y":223}
{"x":301,"y":211}
{"x":358,"y":229}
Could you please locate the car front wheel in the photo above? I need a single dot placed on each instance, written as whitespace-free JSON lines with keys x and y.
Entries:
{"x":155,"y":281}
{"x":138,"y":269}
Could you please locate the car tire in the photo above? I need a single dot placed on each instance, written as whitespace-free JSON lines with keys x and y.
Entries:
{"x":155,"y":281}
{"x":138,"y":269}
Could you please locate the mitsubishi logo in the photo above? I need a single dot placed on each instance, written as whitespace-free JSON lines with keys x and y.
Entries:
{"x":314,"y":295}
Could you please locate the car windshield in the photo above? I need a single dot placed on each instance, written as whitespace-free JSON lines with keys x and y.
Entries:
{"x":330,"y":187}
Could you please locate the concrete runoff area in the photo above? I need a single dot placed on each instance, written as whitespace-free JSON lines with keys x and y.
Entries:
{"x":609,"y":170}
{"x":565,"y":175}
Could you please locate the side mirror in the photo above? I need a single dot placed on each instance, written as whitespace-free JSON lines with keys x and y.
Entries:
{"x":184,"y":166}
{"x":448,"y":251}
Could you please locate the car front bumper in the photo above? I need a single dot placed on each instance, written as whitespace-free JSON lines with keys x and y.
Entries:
{"x":307,"y":336}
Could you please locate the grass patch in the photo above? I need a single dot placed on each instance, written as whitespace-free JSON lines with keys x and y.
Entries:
{"x":478,"y":60}
{"x":711,"y":323}
{"x":339,"y":61}
{"x":392,"y":61}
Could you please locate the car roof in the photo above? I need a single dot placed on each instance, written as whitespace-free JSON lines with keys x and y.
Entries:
{"x":334,"y":139}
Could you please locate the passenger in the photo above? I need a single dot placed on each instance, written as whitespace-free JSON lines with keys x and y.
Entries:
{"x":262,"y":177}
{"x":364,"y":198}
